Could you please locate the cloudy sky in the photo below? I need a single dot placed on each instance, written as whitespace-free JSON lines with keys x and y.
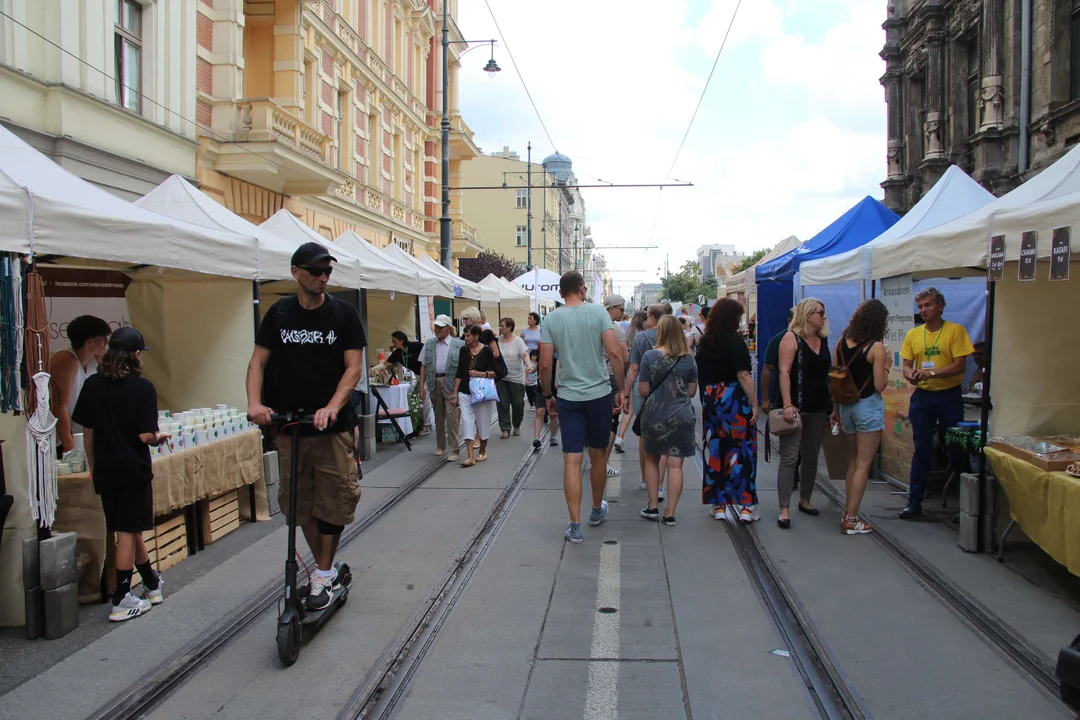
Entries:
{"x":791,"y":132}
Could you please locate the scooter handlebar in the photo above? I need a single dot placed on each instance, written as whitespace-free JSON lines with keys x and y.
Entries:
{"x":290,"y":418}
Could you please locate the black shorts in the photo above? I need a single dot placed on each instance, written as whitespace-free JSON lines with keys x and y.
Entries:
{"x":129,"y":507}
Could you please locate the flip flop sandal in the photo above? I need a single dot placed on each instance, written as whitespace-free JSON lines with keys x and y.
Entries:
{"x":467,"y":463}
{"x":481,"y":458}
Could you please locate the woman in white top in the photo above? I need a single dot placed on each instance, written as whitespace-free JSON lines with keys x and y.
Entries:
{"x":531,"y":334}
{"x":70,"y":366}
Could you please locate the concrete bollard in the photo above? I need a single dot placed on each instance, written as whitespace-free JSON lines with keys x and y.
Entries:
{"x":59,"y":561}
{"x":61,"y":610}
{"x":367,"y":437}
{"x":35,"y":612}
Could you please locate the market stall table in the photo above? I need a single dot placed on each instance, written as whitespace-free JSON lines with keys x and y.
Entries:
{"x":1045,"y":504}
{"x":396,"y":398}
{"x":180,"y":481}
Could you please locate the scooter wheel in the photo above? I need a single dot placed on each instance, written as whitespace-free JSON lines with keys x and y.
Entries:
{"x":288,"y":641}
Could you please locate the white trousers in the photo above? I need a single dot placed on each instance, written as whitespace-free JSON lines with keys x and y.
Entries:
{"x":475,"y":417}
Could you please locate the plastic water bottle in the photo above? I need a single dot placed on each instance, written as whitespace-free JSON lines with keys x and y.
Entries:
{"x":835,"y":428}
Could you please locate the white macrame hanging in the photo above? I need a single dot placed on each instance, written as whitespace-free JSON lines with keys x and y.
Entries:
{"x":41,"y":455}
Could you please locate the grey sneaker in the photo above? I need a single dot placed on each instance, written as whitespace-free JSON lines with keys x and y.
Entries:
{"x":573,"y":533}
{"x":598,"y":514}
{"x":157,"y":596}
{"x":133,"y":607}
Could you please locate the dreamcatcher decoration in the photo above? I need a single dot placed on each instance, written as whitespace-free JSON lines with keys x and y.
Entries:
{"x":41,"y":425}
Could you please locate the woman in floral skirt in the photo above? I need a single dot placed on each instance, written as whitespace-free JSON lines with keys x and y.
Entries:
{"x":729,"y":415}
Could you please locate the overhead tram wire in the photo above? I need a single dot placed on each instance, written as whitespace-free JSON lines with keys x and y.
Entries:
{"x":697,"y":109}
{"x":506,"y":46}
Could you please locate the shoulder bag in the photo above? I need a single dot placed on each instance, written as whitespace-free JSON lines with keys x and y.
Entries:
{"x":636,"y":427}
{"x":776,"y":423}
{"x":841,"y":384}
{"x":482,"y":389}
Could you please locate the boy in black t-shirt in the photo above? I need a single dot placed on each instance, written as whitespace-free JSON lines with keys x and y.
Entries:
{"x":118,"y":411}
{"x":314,"y":344}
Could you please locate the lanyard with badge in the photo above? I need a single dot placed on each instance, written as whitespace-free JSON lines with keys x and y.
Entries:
{"x":931,"y":351}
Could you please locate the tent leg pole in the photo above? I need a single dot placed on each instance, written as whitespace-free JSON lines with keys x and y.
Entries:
{"x":255,"y":300}
{"x":362,"y":304}
{"x":984,"y":421}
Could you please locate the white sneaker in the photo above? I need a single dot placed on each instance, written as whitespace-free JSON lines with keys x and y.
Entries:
{"x":129,"y":607}
{"x":660,"y":493}
{"x":611,"y":472}
{"x":155,"y":596}
{"x":644,"y":486}
{"x":718,"y":512}
{"x":619,"y":445}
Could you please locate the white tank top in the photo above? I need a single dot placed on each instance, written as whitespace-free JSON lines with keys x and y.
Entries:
{"x":77,"y":383}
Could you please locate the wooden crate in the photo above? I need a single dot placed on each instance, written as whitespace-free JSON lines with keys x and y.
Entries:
{"x":219,"y":516}
{"x":166,"y":545}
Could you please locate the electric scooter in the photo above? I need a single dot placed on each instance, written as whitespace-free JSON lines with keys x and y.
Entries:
{"x":295,"y":616}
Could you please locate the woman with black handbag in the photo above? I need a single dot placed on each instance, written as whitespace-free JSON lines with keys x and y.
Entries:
{"x":729,"y":414}
{"x":805,"y":362}
{"x":475,"y":393}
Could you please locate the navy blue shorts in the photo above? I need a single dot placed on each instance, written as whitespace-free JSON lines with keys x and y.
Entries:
{"x":585,"y":421}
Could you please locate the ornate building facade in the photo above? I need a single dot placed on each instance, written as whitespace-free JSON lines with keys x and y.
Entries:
{"x":992,"y":86}
{"x":331,"y":109}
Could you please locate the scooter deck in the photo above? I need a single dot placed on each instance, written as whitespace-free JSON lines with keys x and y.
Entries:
{"x":318,"y":617}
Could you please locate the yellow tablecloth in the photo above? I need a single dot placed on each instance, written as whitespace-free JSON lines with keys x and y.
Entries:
{"x":179,"y":481}
{"x":1045,"y":504}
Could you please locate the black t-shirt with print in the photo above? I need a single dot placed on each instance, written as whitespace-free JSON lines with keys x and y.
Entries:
{"x":307,"y":355}
{"x":118,"y":411}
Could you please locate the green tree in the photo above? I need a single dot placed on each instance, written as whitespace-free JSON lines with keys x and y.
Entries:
{"x":487,"y":262}
{"x":685,"y":285}
{"x":751,"y":260}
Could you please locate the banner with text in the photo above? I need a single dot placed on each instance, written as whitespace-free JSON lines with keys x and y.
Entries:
{"x":897,"y":444}
{"x":71,"y":293}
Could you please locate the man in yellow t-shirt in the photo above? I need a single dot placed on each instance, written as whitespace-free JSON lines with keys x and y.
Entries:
{"x":935,"y":356}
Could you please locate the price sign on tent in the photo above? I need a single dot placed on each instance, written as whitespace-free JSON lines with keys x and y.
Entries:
{"x":1060,"y":254}
{"x":1029,"y":254}
{"x":700,"y":299}
{"x":997,"y":258}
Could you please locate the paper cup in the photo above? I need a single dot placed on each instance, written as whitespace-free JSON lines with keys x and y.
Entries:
{"x":221,"y":407}
{"x":202,"y":437}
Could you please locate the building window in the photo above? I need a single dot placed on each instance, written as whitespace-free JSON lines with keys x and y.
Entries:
{"x":405,"y":244}
{"x":973,"y":87}
{"x":521,"y":235}
{"x":1074,"y":60}
{"x":339,"y":132}
{"x":522,"y":198}
{"x":127,"y":45}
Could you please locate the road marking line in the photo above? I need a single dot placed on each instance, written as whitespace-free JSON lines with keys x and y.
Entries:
{"x":602,"y":695}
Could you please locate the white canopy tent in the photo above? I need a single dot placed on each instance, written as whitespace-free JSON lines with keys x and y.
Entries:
{"x":510,"y":295}
{"x":957,"y":246}
{"x":469,"y":289}
{"x":179,"y":199}
{"x":541,"y":283}
{"x":954,"y":195}
{"x":431,"y":283}
{"x":369,"y":274}
{"x":381,"y":271}
{"x":746,"y":280}
{"x":47,"y":211}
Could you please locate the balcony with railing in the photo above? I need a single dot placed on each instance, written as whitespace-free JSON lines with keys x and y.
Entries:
{"x":462,"y":144}
{"x":273,"y":148}
{"x":463,"y":242}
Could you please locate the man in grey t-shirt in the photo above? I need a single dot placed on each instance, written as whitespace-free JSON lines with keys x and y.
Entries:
{"x":582,"y":334}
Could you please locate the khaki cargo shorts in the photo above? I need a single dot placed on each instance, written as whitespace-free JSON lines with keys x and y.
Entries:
{"x":326,"y":481}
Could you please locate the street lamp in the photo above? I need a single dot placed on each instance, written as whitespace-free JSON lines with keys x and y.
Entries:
{"x":491,"y":69}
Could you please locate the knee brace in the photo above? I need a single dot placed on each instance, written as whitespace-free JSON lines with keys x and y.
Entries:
{"x":326,"y":528}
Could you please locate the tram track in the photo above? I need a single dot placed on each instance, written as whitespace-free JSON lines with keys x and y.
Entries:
{"x":386,"y":684}
{"x":830,"y":691}
{"x":990,"y":628}
{"x":144,"y":695}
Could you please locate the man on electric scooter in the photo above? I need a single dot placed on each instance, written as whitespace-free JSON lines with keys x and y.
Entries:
{"x":308,"y":358}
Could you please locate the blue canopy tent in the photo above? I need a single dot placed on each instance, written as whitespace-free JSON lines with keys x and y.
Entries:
{"x":776,"y":278}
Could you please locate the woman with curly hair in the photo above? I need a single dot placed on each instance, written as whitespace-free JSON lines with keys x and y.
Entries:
{"x":729,"y":414}
{"x":862,"y":351}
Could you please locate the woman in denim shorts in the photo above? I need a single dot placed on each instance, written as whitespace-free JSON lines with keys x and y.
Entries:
{"x":861,"y":349}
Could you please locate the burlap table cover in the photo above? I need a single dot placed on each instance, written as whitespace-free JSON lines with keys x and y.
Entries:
{"x":1045,"y":504}
{"x":180,"y":480}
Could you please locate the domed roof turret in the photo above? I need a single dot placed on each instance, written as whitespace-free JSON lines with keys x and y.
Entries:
{"x":561,"y":167}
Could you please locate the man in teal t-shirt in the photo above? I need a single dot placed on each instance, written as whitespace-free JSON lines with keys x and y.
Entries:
{"x":581,"y":333}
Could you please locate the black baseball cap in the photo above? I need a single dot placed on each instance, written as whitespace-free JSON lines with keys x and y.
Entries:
{"x":310,"y":253}
{"x":127,"y":338}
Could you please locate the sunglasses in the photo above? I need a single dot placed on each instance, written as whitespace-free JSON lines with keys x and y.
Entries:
{"x":317,"y":271}
{"x":819,"y":312}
